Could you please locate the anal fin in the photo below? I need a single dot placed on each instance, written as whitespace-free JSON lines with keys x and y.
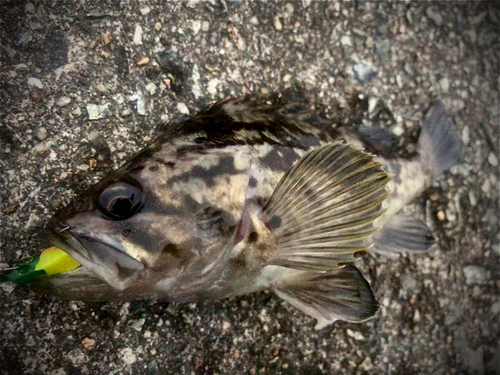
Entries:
{"x":403,"y":233}
{"x":342,"y":294}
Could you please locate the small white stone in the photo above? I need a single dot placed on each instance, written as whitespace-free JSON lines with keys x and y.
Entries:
{"x":254,"y":21}
{"x":137,"y":324}
{"x":182,"y":108}
{"x":126,"y":112}
{"x":226,"y":325}
{"x":492,"y":159}
{"x":366,"y":365}
{"x":145,"y":10}
{"x":472,"y":198}
{"x":466,"y":135}
{"x":97,"y":112}
{"x":398,"y":130}
{"x":77,"y":111}
{"x":138,"y":34}
{"x":212,"y":86}
{"x":196,"y":27}
{"x":346,"y":40}
{"x":355,"y":335}
{"x":486,"y":186}
{"x":287,"y":77}
{"x":445,"y":84}
{"x":63,"y":101}
{"x":42,"y":134}
{"x":277,"y":24}
{"x":35,"y":82}
{"x":475,"y":275}
{"x":151,"y":88}
{"x":128,"y":356}
{"x":29,"y":7}
{"x":205,"y":26}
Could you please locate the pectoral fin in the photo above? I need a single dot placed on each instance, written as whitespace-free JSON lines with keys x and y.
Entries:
{"x":324,"y":209}
{"x":403,"y":233}
{"x":342,"y":294}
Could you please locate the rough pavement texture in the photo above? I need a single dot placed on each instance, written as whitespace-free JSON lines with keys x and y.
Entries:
{"x":84,"y":85}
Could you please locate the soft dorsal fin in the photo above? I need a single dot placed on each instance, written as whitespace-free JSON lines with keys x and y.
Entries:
{"x":324,"y":209}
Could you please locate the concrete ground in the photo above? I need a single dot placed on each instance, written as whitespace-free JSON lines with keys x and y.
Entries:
{"x":85,"y":84}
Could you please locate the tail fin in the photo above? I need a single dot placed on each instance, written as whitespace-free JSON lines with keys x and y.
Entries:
{"x":439,"y":145}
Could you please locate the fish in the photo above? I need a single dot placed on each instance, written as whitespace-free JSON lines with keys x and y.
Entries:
{"x":246,"y":196}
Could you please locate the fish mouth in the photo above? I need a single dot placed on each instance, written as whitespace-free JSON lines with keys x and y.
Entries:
{"x":102,"y":257}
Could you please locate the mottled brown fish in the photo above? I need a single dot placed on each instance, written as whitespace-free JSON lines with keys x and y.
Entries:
{"x":244,"y":197}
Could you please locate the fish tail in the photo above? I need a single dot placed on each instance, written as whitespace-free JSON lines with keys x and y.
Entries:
{"x":439,"y":145}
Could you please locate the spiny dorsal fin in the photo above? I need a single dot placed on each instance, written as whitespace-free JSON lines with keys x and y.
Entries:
{"x":325,"y":207}
{"x":403,"y":233}
{"x":342,"y":294}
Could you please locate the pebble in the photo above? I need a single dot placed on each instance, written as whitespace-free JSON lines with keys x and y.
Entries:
{"x":128,"y":356}
{"x":466,"y":135}
{"x":126,"y":112}
{"x":77,"y":111}
{"x":441,"y":215}
{"x":29,"y":7}
{"x":346,"y":40}
{"x":445,"y":84}
{"x":137,"y":324}
{"x":196,"y":26}
{"x":434,"y":15}
{"x":486,"y":186}
{"x":35,"y":82}
{"x":8,"y":286}
{"x":63,"y":101}
{"x":492,"y":159}
{"x":138,"y":35}
{"x":88,"y":343}
{"x":287,"y":77}
{"x":366,"y":365}
{"x":143,"y":61}
{"x":151,"y":88}
{"x":475,"y":275}
{"x":254,"y":21}
{"x":277,"y":24}
{"x":141,"y":104}
{"x":182,"y":108}
{"x":97,"y":112}
{"x":383,"y":46}
{"x":364,"y":73}
{"x":355,"y":335}
{"x":225,"y":326}
{"x":212,"y":86}
{"x":472,"y":198}
{"x":42,"y":134}
{"x":205,"y":26}
{"x":495,"y":308}
{"x":145,"y":10}
{"x":35,"y":25}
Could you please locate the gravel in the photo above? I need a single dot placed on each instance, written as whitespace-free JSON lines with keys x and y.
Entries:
{"x":439,"y":312}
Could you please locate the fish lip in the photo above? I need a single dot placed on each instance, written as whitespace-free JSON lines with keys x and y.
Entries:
{"x":118,"y":274}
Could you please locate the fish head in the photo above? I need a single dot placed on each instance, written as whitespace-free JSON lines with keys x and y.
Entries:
{"x":162,"y":216}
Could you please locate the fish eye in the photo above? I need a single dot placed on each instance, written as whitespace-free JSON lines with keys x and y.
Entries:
{"x":120,"y":201}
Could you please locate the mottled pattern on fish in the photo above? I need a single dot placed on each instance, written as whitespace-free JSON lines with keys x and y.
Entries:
{"x":239,"y":198}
